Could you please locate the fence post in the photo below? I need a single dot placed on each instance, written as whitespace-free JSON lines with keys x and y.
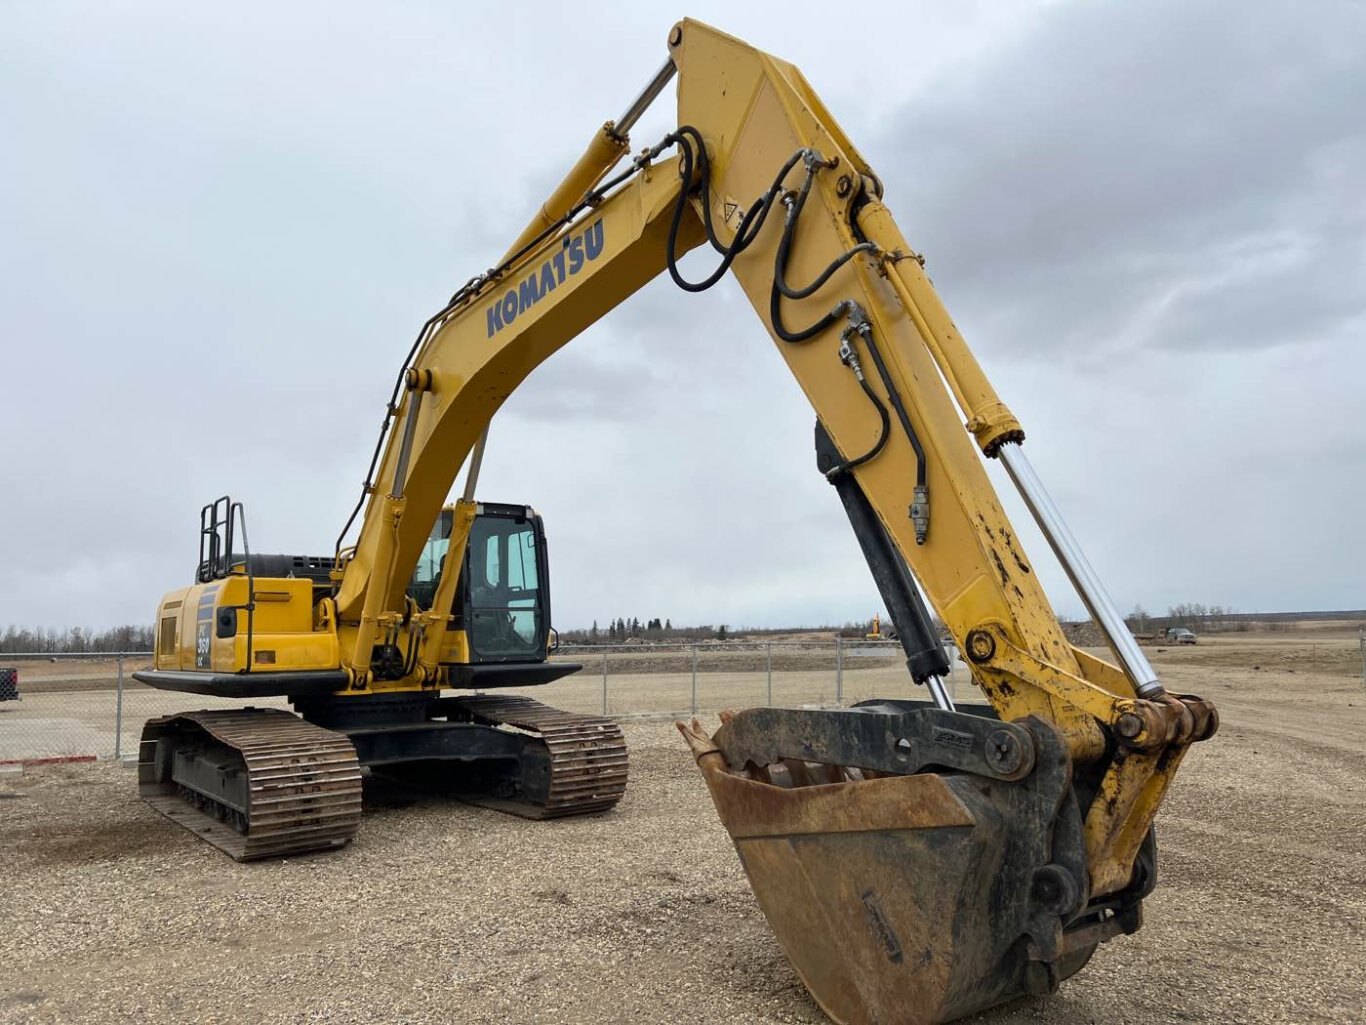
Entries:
{"x":1363,"y":655}
{"x":604,"y":683}
{"x":118,"y":713}
{"x":694,"y":679}
{"x":770,"y":674}
{"x":839,"y":670}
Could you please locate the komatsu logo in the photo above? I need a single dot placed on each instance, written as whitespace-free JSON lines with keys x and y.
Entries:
{"x":575,"y":251}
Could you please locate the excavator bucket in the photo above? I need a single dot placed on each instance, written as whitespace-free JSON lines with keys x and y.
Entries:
{"x":916,"y":865}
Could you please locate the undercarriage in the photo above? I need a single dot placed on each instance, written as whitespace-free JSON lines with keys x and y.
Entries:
{"x":263,"y":782}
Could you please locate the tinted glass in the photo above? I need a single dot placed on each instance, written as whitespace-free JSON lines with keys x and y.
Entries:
{"x":422,"y":586}
{"x":505,"y":600}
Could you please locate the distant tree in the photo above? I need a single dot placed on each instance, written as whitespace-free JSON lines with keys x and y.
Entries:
{"x":1138,"y":620}
{"x":1201,"y":617}
{"x":668,"y":625}
{"x":79,"y":640}
{"x":593,"y":633}
{"x":635,"y":627}
{"x":721,"y":632}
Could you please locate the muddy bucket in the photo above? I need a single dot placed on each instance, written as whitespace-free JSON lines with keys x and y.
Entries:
{"x":904,"y":896}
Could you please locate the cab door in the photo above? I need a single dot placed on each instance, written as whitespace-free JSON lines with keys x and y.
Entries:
{"x":505,"y":588}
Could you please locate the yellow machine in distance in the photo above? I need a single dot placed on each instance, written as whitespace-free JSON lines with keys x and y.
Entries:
{"x":918,"y":862}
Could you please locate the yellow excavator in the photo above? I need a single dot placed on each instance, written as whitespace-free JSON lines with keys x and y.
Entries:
{"x":916,"y":861}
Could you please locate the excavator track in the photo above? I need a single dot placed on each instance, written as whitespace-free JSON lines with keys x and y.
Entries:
{"x":587,"y":760}
{"x":254,"y":782}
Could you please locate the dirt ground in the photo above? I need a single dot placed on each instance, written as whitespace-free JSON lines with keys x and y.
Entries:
{"x":442,"y":912}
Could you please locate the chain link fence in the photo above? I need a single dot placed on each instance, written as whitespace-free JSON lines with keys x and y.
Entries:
{"x":82,"y":707}
{"x":62,"y":707}
{"x":86,"y":707}
{"x":74,"y":707}
{"x":663,"y":680}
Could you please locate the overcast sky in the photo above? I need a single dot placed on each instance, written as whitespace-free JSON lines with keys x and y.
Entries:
{"x":220,"y":226}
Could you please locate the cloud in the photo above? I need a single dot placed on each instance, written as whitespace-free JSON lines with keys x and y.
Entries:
{"x":221,"y":233}
{"x":1141,"y":178}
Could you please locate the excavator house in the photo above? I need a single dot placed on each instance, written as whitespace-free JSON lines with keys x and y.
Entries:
{"x":917,"y":861}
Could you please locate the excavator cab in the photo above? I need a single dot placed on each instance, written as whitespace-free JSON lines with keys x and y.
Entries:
{"x":502,"y":597}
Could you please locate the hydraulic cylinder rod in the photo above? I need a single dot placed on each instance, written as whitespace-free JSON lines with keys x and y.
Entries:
{"x":627,"y":121}
{"x":604,"y":150}
{"x":940,"y":693}
{"x":476,"y":461}
{"x":1083,"y":577}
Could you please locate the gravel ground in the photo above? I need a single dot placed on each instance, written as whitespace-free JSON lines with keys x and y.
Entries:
{"x":442,"y":912}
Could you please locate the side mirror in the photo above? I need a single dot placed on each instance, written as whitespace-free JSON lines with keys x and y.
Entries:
{"x":554,"y":645}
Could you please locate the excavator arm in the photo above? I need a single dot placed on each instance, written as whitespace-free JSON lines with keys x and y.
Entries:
{"x":1080,"y":751}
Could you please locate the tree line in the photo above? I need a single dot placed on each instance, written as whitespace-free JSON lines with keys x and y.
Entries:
{"x":75,"y":639}
{"x":621,"y":630}
{"x":1191,"y":615}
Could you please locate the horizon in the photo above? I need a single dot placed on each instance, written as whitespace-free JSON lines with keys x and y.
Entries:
{"x":1346,"y":615}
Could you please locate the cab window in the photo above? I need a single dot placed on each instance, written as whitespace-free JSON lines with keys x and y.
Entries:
{"x":422,"y":586}
{"x":505,"y":599}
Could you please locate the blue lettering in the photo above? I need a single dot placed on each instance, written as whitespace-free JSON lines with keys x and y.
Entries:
{"x":528,"y":292}
{"x":592,"y":239}
{"x":586,"y":245}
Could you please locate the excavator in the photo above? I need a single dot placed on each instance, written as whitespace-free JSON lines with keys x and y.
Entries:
{"x":916,"y":861}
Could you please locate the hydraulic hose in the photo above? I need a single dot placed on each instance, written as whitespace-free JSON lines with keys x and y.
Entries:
{"x":750,"y":223}
{"x":849,"y":357}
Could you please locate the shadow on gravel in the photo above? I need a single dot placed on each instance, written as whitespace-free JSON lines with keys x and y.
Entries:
{"x":84,"y":844}
{"x":380,"y":794}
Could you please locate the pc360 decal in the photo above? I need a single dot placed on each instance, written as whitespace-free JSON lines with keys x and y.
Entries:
{"x":576,"y":250}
